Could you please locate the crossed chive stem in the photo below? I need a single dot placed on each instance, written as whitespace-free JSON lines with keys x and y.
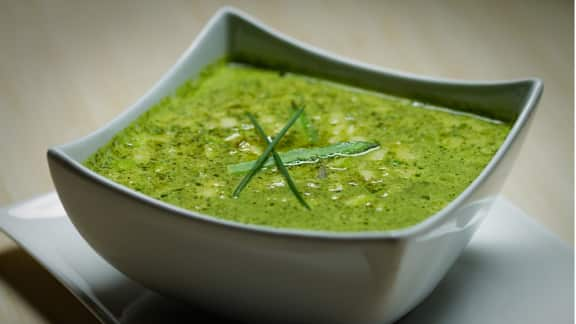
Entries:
{"x":278,"y":161}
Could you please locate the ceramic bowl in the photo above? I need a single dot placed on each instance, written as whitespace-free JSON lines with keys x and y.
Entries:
{"x":271,"y":274}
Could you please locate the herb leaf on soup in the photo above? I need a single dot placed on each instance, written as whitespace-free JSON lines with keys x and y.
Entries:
{"x":278,"y":161}
{"x":256,"y":166}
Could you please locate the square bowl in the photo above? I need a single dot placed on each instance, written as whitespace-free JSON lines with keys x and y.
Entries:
{"x":259,"y":272}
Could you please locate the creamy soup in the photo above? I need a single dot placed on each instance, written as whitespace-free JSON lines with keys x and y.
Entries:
{"x":361,"y":160}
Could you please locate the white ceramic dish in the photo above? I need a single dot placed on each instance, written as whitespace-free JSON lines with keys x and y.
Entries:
{"x":513,"y":270}
{"x":291,"y":275}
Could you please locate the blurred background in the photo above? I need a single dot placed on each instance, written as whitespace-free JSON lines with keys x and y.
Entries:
{"x":67,"y":67}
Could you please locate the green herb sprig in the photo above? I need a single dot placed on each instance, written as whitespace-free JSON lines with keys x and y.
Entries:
{"x":279,"y":164}
{"x":264,"y":156}
{"x":312,"y":155}
{"x":307,"y":125}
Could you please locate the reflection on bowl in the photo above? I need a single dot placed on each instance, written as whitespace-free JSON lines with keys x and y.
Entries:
{"x":282,"y":274}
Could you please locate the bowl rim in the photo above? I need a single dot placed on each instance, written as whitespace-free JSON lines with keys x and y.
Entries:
{"x":58,"y":153}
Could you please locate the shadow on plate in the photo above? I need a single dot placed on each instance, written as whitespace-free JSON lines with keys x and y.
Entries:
{"x":40,"y":290}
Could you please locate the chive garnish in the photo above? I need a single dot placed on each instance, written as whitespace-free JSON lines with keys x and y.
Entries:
{"x":307,"y":126}
{"x":262,"y":159}
{"x":279,"y":163}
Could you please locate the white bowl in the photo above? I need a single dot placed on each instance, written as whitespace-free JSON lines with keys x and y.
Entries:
{"x":259,"y":272}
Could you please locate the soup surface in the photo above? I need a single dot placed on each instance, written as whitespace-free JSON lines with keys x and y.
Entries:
{"x":188,"y":150}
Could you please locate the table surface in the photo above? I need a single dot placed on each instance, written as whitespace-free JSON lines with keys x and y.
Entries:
{"x":67,"y":67}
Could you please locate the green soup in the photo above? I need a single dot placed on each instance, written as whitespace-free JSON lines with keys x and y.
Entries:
{"x":185,"y":149}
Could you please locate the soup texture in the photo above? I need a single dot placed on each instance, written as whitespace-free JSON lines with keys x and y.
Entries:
{"x":406,"y":159}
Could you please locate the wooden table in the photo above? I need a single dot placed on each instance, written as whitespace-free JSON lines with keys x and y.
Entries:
{"x":67,"y":67}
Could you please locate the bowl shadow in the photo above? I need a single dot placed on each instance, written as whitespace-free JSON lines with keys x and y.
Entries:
{"x":44,"y":294}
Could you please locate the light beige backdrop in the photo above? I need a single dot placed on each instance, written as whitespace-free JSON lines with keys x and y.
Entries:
{"x":67,"y":67}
